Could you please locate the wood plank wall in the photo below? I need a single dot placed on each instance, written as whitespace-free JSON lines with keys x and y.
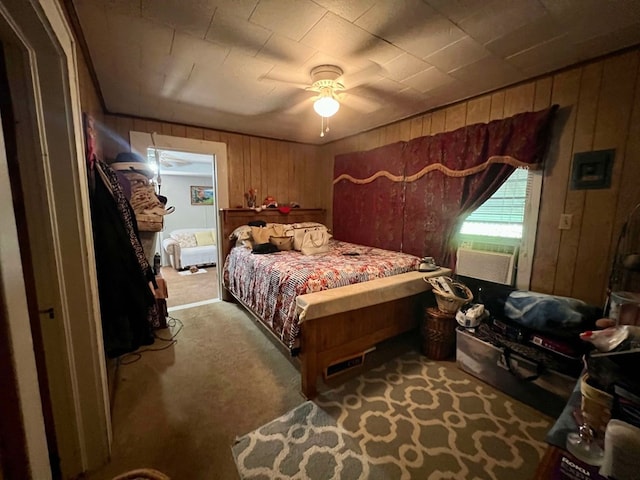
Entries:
{"x":288,"y":171}
{"x":599,"y":109}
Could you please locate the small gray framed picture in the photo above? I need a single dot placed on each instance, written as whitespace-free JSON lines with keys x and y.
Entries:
{"x":592,"y":170}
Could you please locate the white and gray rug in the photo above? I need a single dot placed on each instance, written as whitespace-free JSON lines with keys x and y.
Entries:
{"x":412,"y":418}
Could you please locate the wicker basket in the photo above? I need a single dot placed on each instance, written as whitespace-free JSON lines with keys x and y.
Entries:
{"x":448,"y":302}
{"x":438,"y":331}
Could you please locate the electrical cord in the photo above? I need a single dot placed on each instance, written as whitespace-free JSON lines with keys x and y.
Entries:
{"x":129,"y":358}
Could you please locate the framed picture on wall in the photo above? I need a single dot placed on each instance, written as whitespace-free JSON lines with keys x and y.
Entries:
{"x":201,"y":195}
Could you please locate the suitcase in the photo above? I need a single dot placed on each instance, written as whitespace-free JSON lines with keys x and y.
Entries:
{"x":520,"y":371}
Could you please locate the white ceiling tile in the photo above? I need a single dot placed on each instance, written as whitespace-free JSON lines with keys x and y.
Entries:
{"x":393,"y":20}
{"x":457,"y":54}
{"x":291,"y":18}
{"x":428,"y":80}
{"x":419,"y":30}
{"x":191,"y":17}
{"x":500,"y":17}
{"x":436,"y":33}
{"x":186,"y":47}
{"x":350,"y":10}
{"x":151,"y":84}
{"x":488,"y":73}
{"x":602,"y":44}
{"x":538,"y":31}
{"x":240,"y":8}
{"x":405,"y":66}
{"x":236,"y":32}
{"x":126,"y":7}
{"x":241,"y":66}
{"x":335,"y":36}
{"x":126,"y":31}
{"x":282,"y":49}
{"x":452,"y":92}
{"x":127,"y":61}
{"x":175,"y":81}
{"x":456,"y":10}
{"x":545,"y":57}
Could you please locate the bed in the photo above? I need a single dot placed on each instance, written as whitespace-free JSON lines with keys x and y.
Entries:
{"x":323,"y":315}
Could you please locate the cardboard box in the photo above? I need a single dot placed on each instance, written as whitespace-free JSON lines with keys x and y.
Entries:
{"x":569,"y":467}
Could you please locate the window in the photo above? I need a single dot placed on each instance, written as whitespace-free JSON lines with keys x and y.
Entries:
{"x":506,"y":222}
{"x":502,"y":215}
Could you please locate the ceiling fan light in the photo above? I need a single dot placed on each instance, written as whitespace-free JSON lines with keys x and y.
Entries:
{"x":326,"y":106}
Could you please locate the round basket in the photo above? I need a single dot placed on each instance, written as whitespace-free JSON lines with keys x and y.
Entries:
{"x":448,"y":302}
{"x":438,"y":330}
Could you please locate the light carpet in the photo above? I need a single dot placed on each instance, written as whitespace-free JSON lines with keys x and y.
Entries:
{"x":410,"y":418}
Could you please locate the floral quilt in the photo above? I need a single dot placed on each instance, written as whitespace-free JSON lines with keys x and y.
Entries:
{"x":270,"y":283}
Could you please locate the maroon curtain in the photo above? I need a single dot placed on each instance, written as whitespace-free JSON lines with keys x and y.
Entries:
{"x":478,"y":159}
{"x":427,"y":186}
{"x":369,"y":213}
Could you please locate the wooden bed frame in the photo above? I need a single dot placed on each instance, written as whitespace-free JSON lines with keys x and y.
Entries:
{"x":326,"y":340}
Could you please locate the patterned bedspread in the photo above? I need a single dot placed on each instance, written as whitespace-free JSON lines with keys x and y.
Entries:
{"x":269,"y":284}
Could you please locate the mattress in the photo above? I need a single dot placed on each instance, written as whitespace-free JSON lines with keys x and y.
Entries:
{"x":269,"y":284}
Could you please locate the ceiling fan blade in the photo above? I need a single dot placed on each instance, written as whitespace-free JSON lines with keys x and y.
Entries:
{"x":401,"y":99}
{"x":274,"y":77}
{"x":359,"y":103}
{"x":368,"y":74}
{"x":300,"y":106}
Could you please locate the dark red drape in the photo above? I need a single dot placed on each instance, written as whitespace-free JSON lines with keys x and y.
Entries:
{"x":371,"y":213}
{"x":446,"y":176}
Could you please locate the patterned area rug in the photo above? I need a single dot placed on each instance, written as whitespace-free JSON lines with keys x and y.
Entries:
{"x":410,"y":418}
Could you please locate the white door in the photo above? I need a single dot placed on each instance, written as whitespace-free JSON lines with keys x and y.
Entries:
{"x":42,"y":74}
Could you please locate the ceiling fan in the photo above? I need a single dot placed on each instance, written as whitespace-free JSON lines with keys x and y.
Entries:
{"x":328,"y":82}
{"x":169,"y":161}
{"x":325,"y":83}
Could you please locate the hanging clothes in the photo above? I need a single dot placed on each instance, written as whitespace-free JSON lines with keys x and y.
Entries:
{"x":127,"y":304}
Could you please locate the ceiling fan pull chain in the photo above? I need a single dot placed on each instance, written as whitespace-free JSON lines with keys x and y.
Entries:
{"x":322,"y":126}
{"x":327,"y":129}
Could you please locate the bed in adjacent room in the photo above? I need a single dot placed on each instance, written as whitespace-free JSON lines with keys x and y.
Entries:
{"x":324,"y":307}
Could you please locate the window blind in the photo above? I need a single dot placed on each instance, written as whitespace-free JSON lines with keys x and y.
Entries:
{"x":502,"y":215}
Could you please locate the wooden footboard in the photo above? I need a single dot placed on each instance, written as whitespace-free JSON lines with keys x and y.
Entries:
{"x":326,"y":340}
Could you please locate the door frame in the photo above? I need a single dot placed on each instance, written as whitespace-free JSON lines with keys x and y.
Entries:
{"x":40,"y":30}
{"x":140,"y":141}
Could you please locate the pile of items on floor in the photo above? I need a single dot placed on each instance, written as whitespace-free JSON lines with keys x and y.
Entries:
{"x":558,"y":355}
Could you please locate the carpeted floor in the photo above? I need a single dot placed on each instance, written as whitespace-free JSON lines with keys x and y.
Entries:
{"x":181,"y":408}
{"x":410,"y":418}
{"x":186,"y":289}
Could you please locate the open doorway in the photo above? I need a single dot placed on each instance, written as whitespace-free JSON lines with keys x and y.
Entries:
{"x":188,"y":242}
{"x":205,"y":158}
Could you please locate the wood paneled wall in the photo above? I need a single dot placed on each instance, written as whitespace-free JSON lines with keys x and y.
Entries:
{"x":599,"y":109}
{"x":290,"y":172}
